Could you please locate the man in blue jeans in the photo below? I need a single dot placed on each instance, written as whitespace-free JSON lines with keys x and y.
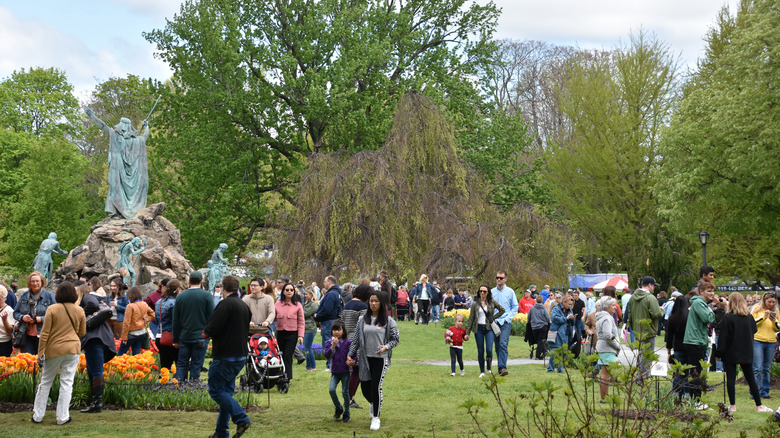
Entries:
{"x":328,"y":310}
{"x":229,"y":329}
{"x":505,"y":296}
{"x":191,"y":313}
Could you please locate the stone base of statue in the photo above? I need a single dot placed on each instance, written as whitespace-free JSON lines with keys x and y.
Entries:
{"x":162,"y":258}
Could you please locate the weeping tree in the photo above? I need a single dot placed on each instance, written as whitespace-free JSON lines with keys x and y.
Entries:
{"x":413,"y":206}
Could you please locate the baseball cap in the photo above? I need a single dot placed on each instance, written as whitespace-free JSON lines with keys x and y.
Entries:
{"x":263,"y":339}
{"x":676,"y":294}
{"x":649,"y":280}
{"x":196,"y":276}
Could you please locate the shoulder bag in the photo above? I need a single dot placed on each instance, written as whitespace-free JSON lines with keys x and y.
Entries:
{"x":98,"y":317}
{"x":493,"y":324}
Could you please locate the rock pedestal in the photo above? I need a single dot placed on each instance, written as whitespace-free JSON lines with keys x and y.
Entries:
{"x":163,"y":256}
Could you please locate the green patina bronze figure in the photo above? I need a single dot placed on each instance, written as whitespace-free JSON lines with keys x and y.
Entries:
{"x":128,"y":175}
{"x":217,"y":266}
{"x":131,"y":247}
{"x":43,"y":262}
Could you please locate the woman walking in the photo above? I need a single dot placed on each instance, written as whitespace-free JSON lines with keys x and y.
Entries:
{"x":737,"y":328}
{"x":290,"y":325}
{"x":375,"y":337}
{"x":608,"y":344}
{"x":482,"y":313}
{"x":563,"y":325}
{"x":58,"y":350}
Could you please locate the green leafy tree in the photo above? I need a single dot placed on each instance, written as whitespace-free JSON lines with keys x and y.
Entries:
{"x":413,"y":206}
{"x":258,"y":86}
{"x":52,"y":200}
{"x":719,"y":153}
{"x":617,"y":103}
{"x":38,"y":101}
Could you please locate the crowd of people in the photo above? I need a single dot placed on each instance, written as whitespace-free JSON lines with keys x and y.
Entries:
{"x":358,"y":328}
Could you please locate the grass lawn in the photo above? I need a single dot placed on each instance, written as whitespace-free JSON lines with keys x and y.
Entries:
{"x":420,"y":400}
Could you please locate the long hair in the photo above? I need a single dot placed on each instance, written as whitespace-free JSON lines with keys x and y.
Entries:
{"x":488,"y":297}
{"x":170,"y":289}
{"x":737,"y":304}
{"x":764,"y":298}
{"x":381,"y":319}
{"x":679,"y":315}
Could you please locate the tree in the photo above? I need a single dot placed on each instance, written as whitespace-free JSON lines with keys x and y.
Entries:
{"x":39,"y":101}
{"x":259,"y":86}
{"x":616,"y":104}
{"x":719,"y":152}
{"x":413,"y":206}
{"x":51,"y":201}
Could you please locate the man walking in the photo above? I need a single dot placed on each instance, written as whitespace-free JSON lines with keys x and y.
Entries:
{"x":505,"y":296}
{"x":644,"y":306}
{"x":328,"y":310}
{"x":191,"y":313}
{"x":228,"y":328}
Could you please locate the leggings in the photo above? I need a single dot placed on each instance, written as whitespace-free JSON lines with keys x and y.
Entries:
{"x":731,"y":377}
{"x":456,"y":353}
{"x":372,"y":389}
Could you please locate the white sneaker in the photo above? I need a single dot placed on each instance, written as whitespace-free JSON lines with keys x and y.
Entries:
{"x":375,"y":423}
{"x":481,"y":375}
{"x":702,"y":406}
{"x":452,"y":375}
{"x":462,"y":372}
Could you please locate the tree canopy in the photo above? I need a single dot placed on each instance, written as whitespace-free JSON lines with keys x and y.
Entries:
{"x":719,"y":152}
{"x":414,"y":206}
{"x":258,"y":86}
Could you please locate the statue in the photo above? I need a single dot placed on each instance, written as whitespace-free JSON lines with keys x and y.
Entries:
{"x":43,"y":262}
{"x":131,"y":247}
{"x":128,"y":175}
{"x":217,"y":266}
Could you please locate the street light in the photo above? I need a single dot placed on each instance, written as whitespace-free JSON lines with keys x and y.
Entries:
{"x":703,"y":237}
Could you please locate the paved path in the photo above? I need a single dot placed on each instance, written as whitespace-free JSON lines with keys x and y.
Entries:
{"x":627,"y":356}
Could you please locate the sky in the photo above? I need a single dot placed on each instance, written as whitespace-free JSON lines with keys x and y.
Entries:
{"x":94,"y":40}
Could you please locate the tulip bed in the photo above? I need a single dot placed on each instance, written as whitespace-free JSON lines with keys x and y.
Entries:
{"x":132,"y":382}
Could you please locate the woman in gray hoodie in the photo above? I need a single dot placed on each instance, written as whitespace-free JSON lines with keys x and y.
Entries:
{"x":608,"y":345}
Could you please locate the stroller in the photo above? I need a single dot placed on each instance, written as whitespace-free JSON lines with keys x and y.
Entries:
{"x":261,"y":375}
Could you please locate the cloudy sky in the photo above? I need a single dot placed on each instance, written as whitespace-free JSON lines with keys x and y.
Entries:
{"x":93,"y":40}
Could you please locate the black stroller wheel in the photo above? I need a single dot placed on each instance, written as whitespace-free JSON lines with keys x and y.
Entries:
{"x":284,"y":387}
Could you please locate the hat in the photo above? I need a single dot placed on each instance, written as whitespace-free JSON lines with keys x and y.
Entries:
{"x":263,"y":339}
{"x":676,"y":294}
{"x":14,"y":280}
{"x":533,"y":286}
{"x":196,"y":276}
{"x":649,"y":280}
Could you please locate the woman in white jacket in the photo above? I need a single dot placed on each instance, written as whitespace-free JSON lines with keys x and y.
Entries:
{"x":608,"y":345}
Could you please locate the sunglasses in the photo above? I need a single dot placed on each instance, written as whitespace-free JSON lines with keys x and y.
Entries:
{"x":499,"y":278}
{"x":287,"y":289}
{"x":483,"y":291}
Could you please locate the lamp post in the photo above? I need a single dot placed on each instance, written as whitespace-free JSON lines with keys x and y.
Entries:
{"x":703,"y":237}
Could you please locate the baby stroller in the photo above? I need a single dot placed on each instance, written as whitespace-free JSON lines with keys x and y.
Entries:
{"x":264,"y":374}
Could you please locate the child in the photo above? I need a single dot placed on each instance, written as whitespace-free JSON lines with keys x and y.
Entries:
{"x":266,"y":355}
{"x":454,"y":338}
{"x":336,"y":350}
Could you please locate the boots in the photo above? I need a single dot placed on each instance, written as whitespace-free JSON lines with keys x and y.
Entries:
{"x":98,"y":386}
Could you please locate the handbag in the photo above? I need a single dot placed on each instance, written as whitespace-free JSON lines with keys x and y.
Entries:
{"x":588,"y":347}
{"x":99,"y":316}
{"x":493,"y":324}
{"x":19,"y":336}
{"x":166,"y":338}
{"x":552,"y":336}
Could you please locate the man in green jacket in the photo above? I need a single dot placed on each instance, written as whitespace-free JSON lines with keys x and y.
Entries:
{"x":696,"y":337}
{"x":644,"y":306}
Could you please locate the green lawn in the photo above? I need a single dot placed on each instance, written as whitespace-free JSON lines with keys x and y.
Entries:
{"x":420,"y":400}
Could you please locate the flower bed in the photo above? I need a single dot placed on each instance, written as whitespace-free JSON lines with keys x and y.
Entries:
{"x":518,"y":321}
